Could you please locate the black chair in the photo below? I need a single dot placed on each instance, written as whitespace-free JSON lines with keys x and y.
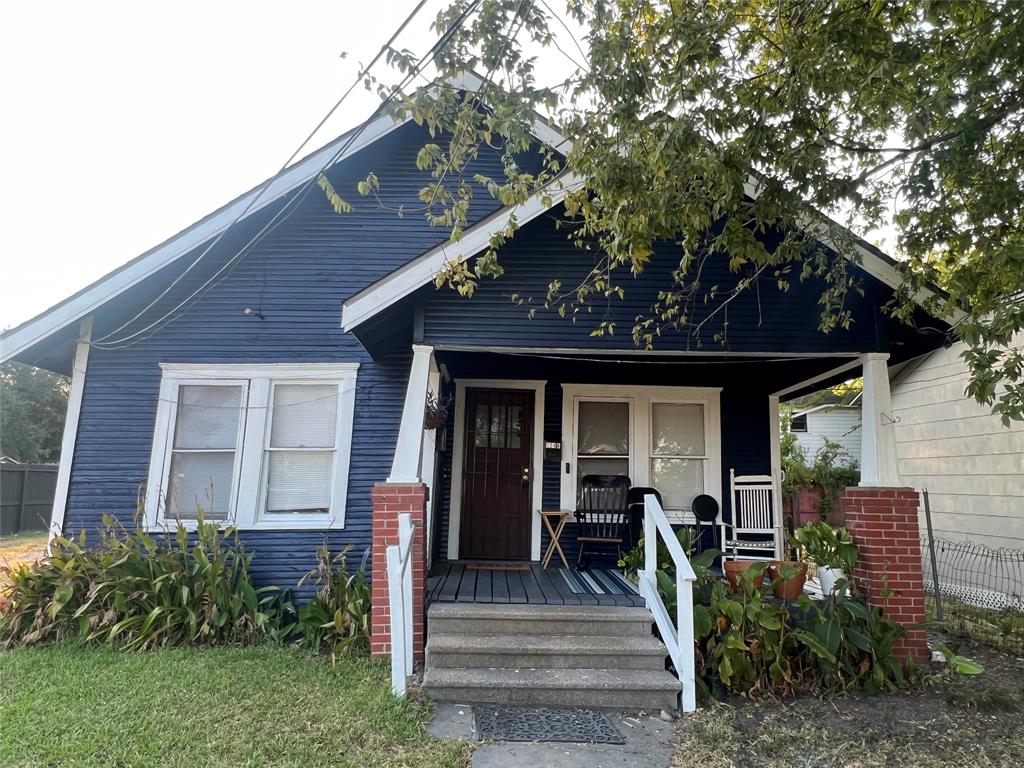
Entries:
{"x":601,"y":514}
{"x":705,"y":509}
{"x":635,"y":503}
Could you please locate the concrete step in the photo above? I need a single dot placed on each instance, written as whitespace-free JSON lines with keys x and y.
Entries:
{"x":621,"y":690}
{"x":523,"y":619}
{"x":545,"y":651}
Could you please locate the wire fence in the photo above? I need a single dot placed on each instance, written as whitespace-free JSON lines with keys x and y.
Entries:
{"x":980,"y":591}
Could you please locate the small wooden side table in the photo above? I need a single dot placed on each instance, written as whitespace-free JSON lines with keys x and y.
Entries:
{"x":559,"y":517}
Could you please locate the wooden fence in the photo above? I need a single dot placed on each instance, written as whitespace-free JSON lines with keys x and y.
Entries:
{"x":26,"y":497}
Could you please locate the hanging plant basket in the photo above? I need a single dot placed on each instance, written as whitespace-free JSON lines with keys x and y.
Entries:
{"x":436,"y":411}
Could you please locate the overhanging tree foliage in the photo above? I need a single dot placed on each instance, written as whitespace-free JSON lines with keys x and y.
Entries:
{"x":32,"y":406}
{"x":708,"y":123}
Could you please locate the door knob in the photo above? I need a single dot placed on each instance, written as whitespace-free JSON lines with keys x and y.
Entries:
{"x":526,"y":474}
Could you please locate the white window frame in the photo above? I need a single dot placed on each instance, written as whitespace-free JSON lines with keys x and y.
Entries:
{"x":641,"y":398}
{"x":248,"y":495}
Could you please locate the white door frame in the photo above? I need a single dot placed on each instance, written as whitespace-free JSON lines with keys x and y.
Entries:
{"x":459,"y":449}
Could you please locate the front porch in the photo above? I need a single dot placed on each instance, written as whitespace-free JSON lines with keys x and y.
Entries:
{"x":528,"y":583}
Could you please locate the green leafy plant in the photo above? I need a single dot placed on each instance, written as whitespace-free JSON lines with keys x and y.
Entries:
{"x":135,"y":591}
{"x":832,"y":471}
{"x":960,"y":664}
{"x":852,"y":644}
{"x":827,"y":545}
{"x":633,"y":560}
{"x":338,"y":617}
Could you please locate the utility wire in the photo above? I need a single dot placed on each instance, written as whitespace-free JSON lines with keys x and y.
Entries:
{"x":266,"y":184}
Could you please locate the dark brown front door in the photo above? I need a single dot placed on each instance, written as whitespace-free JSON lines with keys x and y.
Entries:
{"x":497,"y":475}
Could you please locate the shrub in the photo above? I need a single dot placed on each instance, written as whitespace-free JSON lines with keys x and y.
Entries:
{"x":136,"y":591}
{"x":338,"y":618}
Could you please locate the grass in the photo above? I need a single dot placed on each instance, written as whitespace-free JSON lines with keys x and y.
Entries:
{"x":265,"y":706}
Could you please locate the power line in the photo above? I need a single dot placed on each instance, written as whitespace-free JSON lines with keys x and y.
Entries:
{"x":263,"y":188}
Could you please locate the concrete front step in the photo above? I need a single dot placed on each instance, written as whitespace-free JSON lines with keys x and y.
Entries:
{"x":523,"y":619}
{"x":545,"y":651}
{"x":629,"y":689}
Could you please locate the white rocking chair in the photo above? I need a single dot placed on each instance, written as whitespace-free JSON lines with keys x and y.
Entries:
{"x":755,"y":530}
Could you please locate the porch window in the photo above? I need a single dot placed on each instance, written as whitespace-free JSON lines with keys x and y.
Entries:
{"x":603,"y":442}
{"x":261,"y":447}
{"x":678,"y":452}
{"x":665,"y":437}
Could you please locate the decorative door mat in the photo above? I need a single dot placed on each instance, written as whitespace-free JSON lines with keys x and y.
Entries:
{"x":497,"y":566}
{"x":581,"y":726}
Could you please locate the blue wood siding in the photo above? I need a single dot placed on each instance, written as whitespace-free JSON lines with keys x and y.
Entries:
{"x":296,"y":276}
{"x":761,"y":319}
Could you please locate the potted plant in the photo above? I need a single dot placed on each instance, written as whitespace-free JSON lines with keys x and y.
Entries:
{"x":734,"y":568}
{"x":788,"y":578}
{"x":832,"y":550}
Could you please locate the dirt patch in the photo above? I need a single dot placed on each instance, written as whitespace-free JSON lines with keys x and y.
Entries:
{"x":949,"y":720}
{"x":22,"y":548}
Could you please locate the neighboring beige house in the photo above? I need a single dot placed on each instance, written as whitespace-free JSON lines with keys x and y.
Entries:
{"x":972,"y":466}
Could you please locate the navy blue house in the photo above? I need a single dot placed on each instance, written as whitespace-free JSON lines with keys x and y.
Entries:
{"x":271,"y":372}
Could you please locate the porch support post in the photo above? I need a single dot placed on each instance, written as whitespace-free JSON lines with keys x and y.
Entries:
{"x":878,"y":447}
{"x":70,"y":436}
{"x":405,"y":468}
{"x":775,"y":449}
{"x":427,"y":458}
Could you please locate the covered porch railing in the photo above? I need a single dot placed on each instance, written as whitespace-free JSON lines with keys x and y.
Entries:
{"x":401,"y":604}
{"x":676,"y":631}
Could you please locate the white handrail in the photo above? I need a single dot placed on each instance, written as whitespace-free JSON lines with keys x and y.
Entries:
{"x":677,"y":635}
{"x":400,"y":604}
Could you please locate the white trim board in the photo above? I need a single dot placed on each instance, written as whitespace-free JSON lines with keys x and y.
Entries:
{"x":70,"y":435}
{"x":458,"y":457}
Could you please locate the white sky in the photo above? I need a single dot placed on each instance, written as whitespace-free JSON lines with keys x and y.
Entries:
{"x":124,"y":122}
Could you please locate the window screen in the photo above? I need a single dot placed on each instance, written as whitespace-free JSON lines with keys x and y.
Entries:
{"x":300,"y":451}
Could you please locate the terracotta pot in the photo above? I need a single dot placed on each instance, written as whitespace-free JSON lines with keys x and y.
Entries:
{"x":733,"y":568}
{"x":793,"y":587}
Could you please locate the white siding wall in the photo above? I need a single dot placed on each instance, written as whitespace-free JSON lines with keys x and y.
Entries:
{"x":972,"y":466}
{"x":840,"y":425}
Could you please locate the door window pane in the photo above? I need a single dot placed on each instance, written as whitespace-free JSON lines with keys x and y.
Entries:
{"x":603,"y":429}
{"x":677,"y":429}
{"x":497,"y":426}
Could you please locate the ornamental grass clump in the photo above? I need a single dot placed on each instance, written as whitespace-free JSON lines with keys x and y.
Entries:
{"x":337,"y":620}
{"x":135,"y":591}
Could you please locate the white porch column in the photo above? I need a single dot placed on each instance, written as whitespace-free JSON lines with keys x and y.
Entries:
{"x":878,"y":447}
{"x":67,"y":443}
{"x":775,"y":451}
{"x":409,"y":451}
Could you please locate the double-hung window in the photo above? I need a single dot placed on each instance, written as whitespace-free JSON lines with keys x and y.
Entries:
{"x":257,"y":446}
{"x":668,"y":438}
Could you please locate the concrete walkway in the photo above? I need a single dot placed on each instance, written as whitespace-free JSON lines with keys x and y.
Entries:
{"x":648,"y":744}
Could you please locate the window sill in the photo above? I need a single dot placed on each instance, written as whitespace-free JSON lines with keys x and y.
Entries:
{"x":320,"y":524}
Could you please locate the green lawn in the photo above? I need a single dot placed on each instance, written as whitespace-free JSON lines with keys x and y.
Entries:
{"x":72,"y":706}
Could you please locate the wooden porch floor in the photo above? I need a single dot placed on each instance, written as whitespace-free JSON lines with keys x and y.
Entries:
{"x":454,"y":582}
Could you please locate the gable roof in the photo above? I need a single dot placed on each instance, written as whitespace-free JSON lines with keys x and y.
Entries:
{"x":422,"y":270}
{"x":82,"y":303}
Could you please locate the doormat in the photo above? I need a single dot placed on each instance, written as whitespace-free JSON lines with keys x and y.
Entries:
{"x":579,"y":726}
{"x":497,"y":566}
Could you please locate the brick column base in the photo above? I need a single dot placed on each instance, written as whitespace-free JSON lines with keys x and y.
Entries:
{"x":883,"y":522}
{"x":389,"y":501}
